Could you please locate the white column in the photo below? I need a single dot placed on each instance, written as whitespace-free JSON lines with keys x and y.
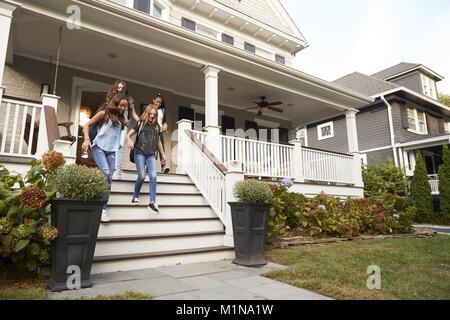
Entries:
{"x":42,"y":143}
{"x":6,"y":14}
{"x":353,"y":148}
{"x":297,"y":161}
{"x":182,"y":141}
{"x":233,"y":175}
{"x":212,"y":128}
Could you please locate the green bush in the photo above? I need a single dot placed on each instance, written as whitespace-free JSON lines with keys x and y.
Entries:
{"x":80,"y":182}
{"x":24,"y":231}
{"x":421,"y":192}
{"x":288,"y":204}
{"x":252,"y":191}
{"x":444,"y":183}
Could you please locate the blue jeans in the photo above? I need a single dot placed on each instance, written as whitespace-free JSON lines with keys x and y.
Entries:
{"x":142,"y":160}
{"x":105,"y":162}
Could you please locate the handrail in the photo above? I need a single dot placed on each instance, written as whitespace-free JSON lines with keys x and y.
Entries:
{"x":328,"y":151}
{"x":207,"y":153}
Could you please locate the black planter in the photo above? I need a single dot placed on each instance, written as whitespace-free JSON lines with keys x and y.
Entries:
{"x":78,"y":223}
{"x":250,"y":222}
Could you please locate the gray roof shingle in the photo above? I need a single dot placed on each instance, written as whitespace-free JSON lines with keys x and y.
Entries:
{"x":365,"y":84}
{"x":394,"y":70}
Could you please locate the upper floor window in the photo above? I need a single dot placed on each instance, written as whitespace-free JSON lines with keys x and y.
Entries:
{"x":154,"y":7}
{"x":325,"y":131}
{"x":157,"y":10}
{"x":447,"y":127}
{"x":227,"y":39}
{"x":249,"y":47}
{"x":417,"y":121}
{"x":429,"y":86}
{"x":188,"y":24}
{"x":280,"y":59}
{"x":199,"y":28}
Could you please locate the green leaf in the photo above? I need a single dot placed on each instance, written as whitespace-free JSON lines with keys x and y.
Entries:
{"x":21,"y":244}
{"x":35,"y":249}
{"x":305,"y":223}
{"x":31,"y":264}
{"x":6,"y":240}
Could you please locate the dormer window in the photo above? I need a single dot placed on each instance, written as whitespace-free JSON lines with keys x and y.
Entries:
{"x":428,"y":86}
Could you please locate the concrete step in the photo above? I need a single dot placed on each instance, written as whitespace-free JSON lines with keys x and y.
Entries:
{"x":162,"y":226}
{"x":127,"y":262}
{"x":139,"y":212}
{"x":176,"y":178}
{"x":187,"y":199}
{"x":162,"y":187}
{"x":109,"y":246}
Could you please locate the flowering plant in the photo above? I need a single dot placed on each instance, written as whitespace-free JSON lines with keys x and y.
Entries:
{"x":287,"y":182}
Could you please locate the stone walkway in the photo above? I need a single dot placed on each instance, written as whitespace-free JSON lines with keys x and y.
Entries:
{"x":220,"y":280}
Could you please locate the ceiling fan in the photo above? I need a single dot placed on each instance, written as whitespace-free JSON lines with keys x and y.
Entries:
{"x":265,"y":104}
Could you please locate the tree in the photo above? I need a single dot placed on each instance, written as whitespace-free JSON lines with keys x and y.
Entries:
{"x":421,"y":192}
{"x":444,"y":99}
{"x":444,"y":183}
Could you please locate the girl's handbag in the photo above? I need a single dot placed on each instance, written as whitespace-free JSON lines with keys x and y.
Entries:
{"x":132,"y":150}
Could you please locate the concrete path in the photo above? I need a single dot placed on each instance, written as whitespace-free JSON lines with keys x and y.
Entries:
{"x":221,"y":280}
{"x":438,"y":229}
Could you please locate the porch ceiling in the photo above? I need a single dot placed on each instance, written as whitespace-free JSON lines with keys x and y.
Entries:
{"x":37,"y":37}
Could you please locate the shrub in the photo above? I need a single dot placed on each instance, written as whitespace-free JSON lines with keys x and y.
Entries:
{"x":252,"y":191}
{"x":80,"y":182}
{"x":444,"y":183}
{"x":288,"y":204}
{"x":421,"y":192}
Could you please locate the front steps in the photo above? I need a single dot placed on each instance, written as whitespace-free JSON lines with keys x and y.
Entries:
{"x":186,"y":230}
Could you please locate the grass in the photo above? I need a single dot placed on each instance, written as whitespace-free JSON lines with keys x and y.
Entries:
{"x":127,"y":296}
{"x":410,"y":268}
{"x":25,"y":289}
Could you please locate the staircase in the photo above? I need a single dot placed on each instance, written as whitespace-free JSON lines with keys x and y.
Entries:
{"x":186,"y":230}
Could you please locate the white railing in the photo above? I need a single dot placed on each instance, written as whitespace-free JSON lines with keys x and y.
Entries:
{"x":259,"y":158}
{"x":12,"y":126}
{"x":433,"y":179}
{"x":207,"y":177}
{"x":327,"y":166}
{"x":200,"y":135}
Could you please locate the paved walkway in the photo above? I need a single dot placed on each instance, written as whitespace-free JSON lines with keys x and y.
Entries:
{"x":221,"y":280}
{"x":438,"y":229}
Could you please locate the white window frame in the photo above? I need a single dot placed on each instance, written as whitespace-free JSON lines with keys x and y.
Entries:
{"x":428,"y":86}
{"x":319,"y":130}
{"x":164,"y":7}
{"x":447,"y":127}
{"x":416,"y":118}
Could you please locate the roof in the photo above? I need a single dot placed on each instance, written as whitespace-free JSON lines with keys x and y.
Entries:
{"x":395,"y":70}
{"x":365,"y":84}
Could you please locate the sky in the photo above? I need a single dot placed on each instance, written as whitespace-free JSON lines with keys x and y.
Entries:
{"x":370,"y":35}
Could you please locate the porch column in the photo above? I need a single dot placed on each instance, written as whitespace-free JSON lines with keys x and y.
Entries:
{"x":182,"y":141}
{"x":353,"y":148}
{"x":212,"y":128}
{"x":233,"y":175}
{"x":297,"y":161}
{"x":44,"y":142}
{"x":6,"y":14}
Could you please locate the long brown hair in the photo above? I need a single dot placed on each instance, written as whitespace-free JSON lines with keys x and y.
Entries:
{"x":145,"y":116}
{"x":114,"y":90}
{"x":112,"y":110}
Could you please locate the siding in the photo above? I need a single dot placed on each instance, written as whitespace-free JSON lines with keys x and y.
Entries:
{"x":411,"y":81}
{"x":383,"y":155}
{"x":339,"y":143}
{"x":373,"y":128}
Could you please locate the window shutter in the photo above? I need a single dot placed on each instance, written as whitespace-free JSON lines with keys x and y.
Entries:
{"x":251,"y":125}
{"x":186,"y":113}
{"x":188,"y":24}
{"x":430,"y":128}
{"x":227,"y":39}
{"x":227,"y":123}
{"x":249,"y":47}
{"x":404,"y":114}
{"x":441,"y":125}
{"x":142,"y":5}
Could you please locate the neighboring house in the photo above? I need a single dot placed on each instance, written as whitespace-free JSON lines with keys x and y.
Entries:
{"x":212,"y":60}
{"x":405,"y":118}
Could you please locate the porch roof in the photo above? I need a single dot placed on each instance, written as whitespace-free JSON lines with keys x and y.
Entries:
{"x":425,"y":143}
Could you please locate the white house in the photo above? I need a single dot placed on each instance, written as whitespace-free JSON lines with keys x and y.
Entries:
{"x":212,"y":60}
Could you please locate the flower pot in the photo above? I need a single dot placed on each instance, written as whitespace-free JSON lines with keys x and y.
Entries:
{"x":78,"y":223}
{"x":250,"y":222}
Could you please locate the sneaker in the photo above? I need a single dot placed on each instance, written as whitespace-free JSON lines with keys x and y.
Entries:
{"x":164,"y":169}
{"x":153,"y":206}
{"x":135,"y":201}
{"x":105,"y":217}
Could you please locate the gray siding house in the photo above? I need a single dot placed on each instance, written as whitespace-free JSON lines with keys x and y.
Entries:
{"x":406,"y":118}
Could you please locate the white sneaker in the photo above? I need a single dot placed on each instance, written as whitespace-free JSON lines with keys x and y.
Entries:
{"x":105,"y":217}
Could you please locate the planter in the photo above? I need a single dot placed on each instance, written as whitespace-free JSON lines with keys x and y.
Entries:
{"x":78,"y":223}
{"x":250,"y":222}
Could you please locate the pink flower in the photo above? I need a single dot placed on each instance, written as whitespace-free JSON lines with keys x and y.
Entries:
{"x":310,"y":205}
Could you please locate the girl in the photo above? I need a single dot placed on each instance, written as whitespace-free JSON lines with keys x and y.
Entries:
{"x":158,"y":101}
{"x":145,"y":148}
{"x":107,"y":140}
{"x":118,"y":88}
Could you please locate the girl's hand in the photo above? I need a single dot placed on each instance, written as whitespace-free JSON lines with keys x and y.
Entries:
{"x":130,"y":145}
{"x":163,"y":160}
{"x":86,"y":145}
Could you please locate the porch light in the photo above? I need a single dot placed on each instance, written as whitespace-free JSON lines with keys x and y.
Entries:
{"x":45,"y":89}
{"x":85,"y":115}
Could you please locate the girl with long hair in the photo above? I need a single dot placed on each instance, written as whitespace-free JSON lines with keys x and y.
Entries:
{"x":146,"y":148}
{"x":110,"y":121}
{"x":158,"y":101}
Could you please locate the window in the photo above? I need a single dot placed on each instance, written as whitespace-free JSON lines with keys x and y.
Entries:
{"x":249,"y":47}
{"x":447,"y":127}
{"x":227,"y":39}
{"x":206,"y":32}
{"x":142,"y":5}
{"x":188,"y":23}
{"x":429,"y":87}
{"x":325,"y":131}
{"x":280,"y":59}
{"x":123,"y":2}
{"x":157,"y":10}
{"x":417,"y":121}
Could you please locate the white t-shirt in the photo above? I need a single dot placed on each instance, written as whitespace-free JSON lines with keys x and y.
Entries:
{"x":160,"y":117}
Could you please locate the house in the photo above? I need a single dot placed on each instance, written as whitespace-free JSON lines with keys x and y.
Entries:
{"x":406,"y":118}
{"x":222,"y":65}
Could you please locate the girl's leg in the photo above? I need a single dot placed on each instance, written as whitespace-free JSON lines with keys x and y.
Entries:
{"x":101,"y":160}
{"x":151,"y":165}
{"x":140,"y":166}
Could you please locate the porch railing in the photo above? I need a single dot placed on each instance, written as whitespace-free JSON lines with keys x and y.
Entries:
{"x":18,"y":128}
{"x":200,"y":135}
{"x":202,"y":168}
{"x":433,"y":179}
{"x":327,"y":166}
{"x":259,"y":158}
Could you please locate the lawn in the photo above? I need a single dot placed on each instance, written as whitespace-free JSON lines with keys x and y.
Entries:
{"x":410,"y":268}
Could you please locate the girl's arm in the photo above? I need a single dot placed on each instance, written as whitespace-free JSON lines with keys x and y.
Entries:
{"x":161,"y":149}
{"x":164,"y":127}
{"x":129,"y":141}
{"x":87,"y":144}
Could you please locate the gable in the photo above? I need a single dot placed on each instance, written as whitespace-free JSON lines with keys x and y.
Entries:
{"x":270,"y":12}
